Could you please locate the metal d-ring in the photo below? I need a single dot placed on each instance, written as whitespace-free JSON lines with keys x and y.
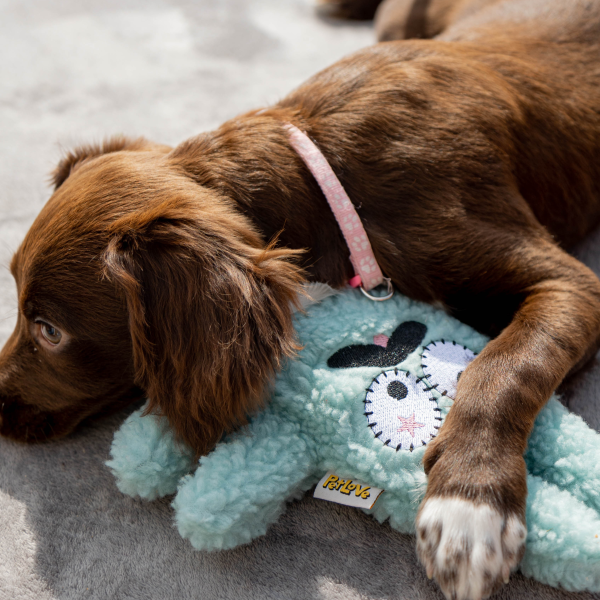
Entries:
{"x":390,"y":292}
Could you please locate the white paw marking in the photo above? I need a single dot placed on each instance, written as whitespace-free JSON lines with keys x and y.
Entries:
{"x":469,"y":548}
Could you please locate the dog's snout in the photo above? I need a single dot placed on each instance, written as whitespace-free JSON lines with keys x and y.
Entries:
{"x":4,"y":404}
{"x":20,"y":421}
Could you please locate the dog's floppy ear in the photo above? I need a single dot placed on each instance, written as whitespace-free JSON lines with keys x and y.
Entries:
{"x":210,"y":313}
{"x":74,"y":158}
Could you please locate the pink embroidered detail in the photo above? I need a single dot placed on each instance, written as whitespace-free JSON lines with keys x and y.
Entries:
{"x":361,"y":252}
{"x":355,"y":281}
{"x":381,"y":340}
{"x":409,"y":424}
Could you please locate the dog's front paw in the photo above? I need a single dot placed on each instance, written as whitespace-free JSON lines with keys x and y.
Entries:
{"x":470,"y":548}
{"x":471,"y":525}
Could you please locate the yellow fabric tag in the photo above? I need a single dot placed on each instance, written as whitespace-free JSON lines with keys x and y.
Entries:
{"x":346,"y":491}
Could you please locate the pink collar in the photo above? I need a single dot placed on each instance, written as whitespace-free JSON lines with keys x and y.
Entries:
{"x":368,"y":274}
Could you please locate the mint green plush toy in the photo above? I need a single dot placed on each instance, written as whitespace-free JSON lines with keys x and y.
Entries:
{"x":368,"y":391}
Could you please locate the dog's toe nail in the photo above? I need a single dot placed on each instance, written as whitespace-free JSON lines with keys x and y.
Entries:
{"x":506,"y":573}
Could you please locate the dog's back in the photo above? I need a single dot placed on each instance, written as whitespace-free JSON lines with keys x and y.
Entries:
{"x":548,"y":50}
{"x":508,"y":106}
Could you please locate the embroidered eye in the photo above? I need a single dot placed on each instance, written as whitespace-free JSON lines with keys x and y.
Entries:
{"x":397,"y":390}
{"x":50,"y":333}
{"x":402,"y":425}
{"x":443,"y":363}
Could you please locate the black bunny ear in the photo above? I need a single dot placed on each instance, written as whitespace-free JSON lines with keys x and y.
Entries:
{"x":405,"y":339}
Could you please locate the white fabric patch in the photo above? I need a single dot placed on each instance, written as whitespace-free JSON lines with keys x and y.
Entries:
{"x":443,"y":362}
{"x":346,"y":491}
{"x":401,"y":410}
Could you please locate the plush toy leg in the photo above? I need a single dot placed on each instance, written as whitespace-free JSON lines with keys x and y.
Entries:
{"x":563,"y":450}
{"x":242,"y":486}
{"x":400,"y":506}
{"x":146,"y":459}
{"x":563,"y":541}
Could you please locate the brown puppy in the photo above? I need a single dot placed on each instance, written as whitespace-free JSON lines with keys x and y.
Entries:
{"x":473,"y":159}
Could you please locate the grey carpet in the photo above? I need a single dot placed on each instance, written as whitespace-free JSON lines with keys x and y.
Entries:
{"x":77,"y":70}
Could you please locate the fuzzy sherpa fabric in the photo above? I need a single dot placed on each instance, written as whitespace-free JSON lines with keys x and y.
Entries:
{"x":366,"y":394}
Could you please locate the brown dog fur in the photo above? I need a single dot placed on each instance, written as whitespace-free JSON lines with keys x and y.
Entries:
{"x":473,"y":161}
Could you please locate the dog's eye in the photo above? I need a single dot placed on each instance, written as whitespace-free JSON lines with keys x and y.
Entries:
{"x":50,"y":333}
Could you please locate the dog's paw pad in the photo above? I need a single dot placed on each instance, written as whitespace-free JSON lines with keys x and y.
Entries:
{"x":469,"y":548}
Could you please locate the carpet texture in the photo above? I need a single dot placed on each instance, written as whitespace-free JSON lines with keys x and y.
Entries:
{"x":75,"y":71}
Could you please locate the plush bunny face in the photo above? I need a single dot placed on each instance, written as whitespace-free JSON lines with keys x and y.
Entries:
{"x":359,"y":387}
{"x":399,"y":407}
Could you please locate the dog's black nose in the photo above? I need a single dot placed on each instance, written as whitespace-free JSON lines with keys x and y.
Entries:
{"x":18,"y":421}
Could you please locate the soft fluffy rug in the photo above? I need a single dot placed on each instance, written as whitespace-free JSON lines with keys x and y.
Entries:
{"x":77,"y":70}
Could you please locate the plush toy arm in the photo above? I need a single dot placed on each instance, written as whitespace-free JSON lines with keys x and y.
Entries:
{"x":146,"y":459}
{"x":564,"y":451}
{"x":242,"y":486}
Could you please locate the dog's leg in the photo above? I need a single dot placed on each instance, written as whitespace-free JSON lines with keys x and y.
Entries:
{"x":349,"y":9}
{"x":405,"y":19}
{"x":471,"y":525}
{"x":394,"y":19}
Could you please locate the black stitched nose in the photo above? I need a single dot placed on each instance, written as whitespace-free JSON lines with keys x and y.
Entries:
{"x":397,"y":390}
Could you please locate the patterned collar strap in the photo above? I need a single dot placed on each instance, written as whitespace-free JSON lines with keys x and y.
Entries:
{"x":368,"y":274}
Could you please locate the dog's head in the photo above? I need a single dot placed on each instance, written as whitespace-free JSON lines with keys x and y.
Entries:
{"x":135,"y":279}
